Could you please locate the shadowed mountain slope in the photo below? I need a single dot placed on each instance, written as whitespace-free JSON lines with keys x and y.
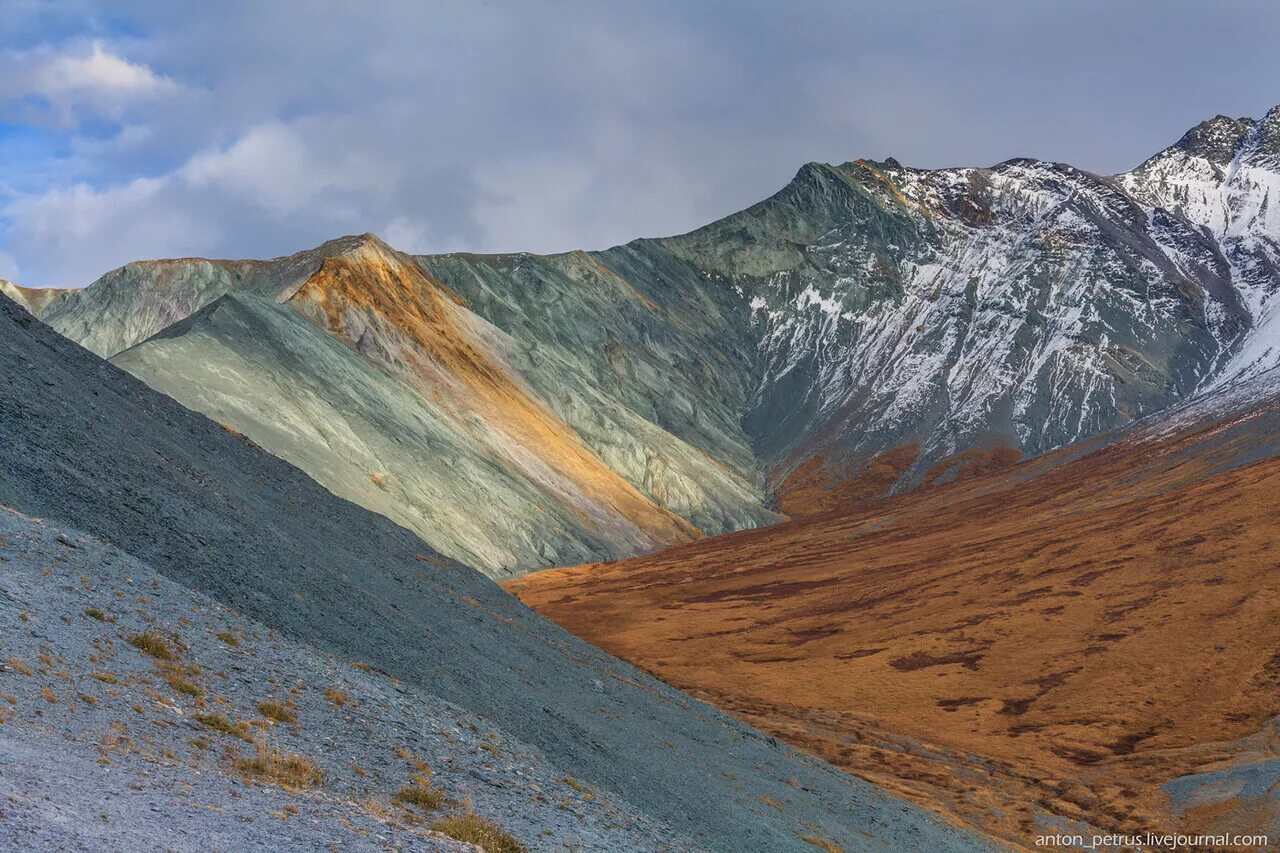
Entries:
{"x":92,"y":449}
{"x":1086,"y":637}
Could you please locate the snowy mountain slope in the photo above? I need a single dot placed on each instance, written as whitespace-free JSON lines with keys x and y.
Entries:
{"x":1031,"y":304}
{"x":1224,"y":177}
{"x":873,"y":311}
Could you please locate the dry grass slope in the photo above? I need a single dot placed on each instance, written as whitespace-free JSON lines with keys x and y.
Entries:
{"x":1052,"y":638}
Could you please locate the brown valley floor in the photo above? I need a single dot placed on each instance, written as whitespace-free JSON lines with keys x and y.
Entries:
{"x":1061,"y":638}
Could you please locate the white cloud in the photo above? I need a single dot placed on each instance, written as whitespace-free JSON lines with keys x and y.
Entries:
{"x":270,"y":166}
{"x":286,"y":168}
{"x":85,"y":77}
{"x":242,"y":129}
{"x":291,"y":185}
{"x":9,"y":270}
{"x":100,"y":72}
{"x":79,"y":232}
{"x":409,"y":235}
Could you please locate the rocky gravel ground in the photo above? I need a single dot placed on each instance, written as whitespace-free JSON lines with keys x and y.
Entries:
{"x":106,"y":745}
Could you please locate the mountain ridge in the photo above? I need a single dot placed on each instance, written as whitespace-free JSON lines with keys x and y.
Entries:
{"x":869,"y":324}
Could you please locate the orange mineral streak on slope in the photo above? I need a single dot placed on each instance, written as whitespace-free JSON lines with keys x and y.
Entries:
{"x":34,"y":299}
{"x":383,"y":306}
{"x":1060,"y":638}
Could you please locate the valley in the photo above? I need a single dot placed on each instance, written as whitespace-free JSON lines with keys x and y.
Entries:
{"x":1085,"y":638}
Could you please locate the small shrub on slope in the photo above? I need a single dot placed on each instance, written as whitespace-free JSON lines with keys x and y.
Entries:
{"x":472,"y":828}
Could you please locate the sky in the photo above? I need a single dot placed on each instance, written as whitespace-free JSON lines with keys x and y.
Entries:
{"x":247,"y":128}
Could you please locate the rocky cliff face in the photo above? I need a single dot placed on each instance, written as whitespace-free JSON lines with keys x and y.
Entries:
{"x":869,"y":328}
{"x":876,"y":318}
{"x":1028,"y":305}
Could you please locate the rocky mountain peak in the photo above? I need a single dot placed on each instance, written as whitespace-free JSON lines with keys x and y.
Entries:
{"x":1216,"y":139}
{"x":1264,"y":141}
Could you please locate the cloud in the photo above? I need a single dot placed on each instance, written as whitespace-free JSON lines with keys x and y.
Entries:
{"x":143,"y":128}
{"x":98,"y":73}
{"x":272,"y":167}
{"x":276,"y":188}
{"x":80,"y":79}
{"x":71,"y":231}
{"x":9,"y":270}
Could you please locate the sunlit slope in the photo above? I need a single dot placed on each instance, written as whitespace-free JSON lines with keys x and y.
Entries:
{"x":396,"y":397}
{"x":374,"y":378}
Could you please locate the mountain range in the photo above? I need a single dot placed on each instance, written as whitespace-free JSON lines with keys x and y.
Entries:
{"x":868,"y":329}
{"x":956,"y":480}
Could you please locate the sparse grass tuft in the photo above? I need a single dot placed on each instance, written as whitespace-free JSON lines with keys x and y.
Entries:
{"x":95,"y":613}
{"x":176,"y":676}
{"x":275,"y":711}
{"x":422,"y":794}
{"x":474,"y":829}
{"x":104,"y":677}
{"x":219,"y":723}
{"x":339,"y":698}
{"x":181,"y":685}
{"x":229,"y":638}
{"x":19,"y":667}
{"x":288,"y":770}
{"x":151,"y":644}
{"x":580,"y":787}
{"x":822,"y":844}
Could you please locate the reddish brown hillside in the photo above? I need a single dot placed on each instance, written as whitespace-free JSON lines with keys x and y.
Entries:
{"x":1062,"y":637}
